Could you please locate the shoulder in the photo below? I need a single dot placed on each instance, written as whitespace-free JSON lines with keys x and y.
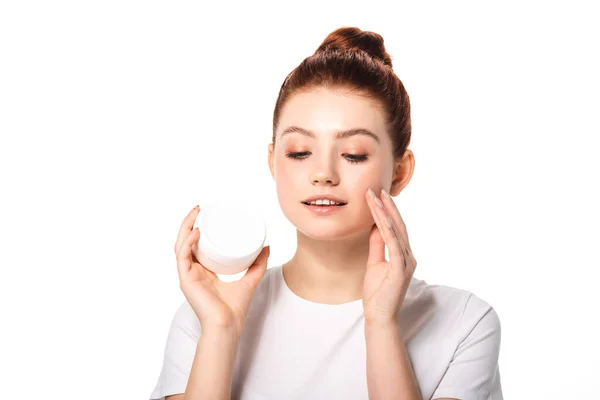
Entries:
{"x":458,"y":335}
{"x":186,"y":322}
{"x":451,"y":309}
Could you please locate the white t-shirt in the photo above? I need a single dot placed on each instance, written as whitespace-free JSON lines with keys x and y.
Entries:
{"x":292,"y":348}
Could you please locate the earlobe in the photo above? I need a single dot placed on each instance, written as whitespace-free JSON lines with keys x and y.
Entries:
{"x":397,"y":182}
{"x":396,"y":188}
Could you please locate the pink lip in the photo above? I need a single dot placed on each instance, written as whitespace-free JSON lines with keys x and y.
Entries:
{"x":324,"y":210}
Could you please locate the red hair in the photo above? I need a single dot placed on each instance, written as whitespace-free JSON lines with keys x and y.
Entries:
{"x":355,"y":60}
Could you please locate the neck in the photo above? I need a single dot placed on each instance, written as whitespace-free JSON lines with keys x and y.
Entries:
{"x":328,"y":271}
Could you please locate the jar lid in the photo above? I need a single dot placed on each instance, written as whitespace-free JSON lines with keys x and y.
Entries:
{"x":234,"y":230}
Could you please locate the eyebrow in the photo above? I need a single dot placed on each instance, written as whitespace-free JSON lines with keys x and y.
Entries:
{"x":339,"y":135}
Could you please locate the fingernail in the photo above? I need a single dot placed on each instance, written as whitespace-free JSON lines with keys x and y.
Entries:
{"x":386,"y":194}
{"x":374,"y":197}
{"x":377,"y":201}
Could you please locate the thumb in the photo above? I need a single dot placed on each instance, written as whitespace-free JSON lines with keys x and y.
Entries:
{"x":376,"y":247}
{"x":256,"y":271}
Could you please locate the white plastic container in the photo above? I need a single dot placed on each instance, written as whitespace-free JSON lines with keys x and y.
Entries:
{"x":232,"y":235}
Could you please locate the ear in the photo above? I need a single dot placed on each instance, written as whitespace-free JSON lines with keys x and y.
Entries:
{"x":271,"y":166}
{"x":403,"y":171}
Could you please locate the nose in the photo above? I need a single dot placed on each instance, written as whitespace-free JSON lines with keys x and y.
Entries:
{"x":325,"y":174}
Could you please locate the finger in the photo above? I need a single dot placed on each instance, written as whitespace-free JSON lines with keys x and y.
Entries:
{"x":406,"y":251}
{"x":386,"y":228}
{"x":195,"y":261}
{"x":393,"y":211}
{"x":401,"y":233}
{"x":184,"y":255}
{"x":378,"y":224}
{"x":411,"y":263}
{"x":186,"y":227}
{"x":376,"y":247}
{"x":256,"y":271}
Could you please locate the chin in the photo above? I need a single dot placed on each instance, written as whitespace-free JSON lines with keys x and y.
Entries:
{"x":333,"y":227}
{"x":329,"y":236}
{"x":330,"y":230}
{"x":315,"y":233}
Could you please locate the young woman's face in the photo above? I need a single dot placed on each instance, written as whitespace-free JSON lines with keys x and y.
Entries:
{"x":309,"y":160}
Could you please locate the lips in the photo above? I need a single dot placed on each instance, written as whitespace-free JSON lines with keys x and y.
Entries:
{"x":323,"y":209}
{"x":324,"y":196}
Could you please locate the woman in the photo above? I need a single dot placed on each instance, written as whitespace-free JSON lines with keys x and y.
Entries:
{"x":338,"y":321}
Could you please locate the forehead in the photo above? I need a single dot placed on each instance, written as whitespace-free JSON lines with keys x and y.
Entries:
{"x":324,"y":111}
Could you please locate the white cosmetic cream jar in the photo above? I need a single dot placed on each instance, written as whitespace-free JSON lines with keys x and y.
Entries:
{"x":232,"y":235}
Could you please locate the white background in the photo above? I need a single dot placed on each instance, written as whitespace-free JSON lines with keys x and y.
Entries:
{"x":117,"y":117}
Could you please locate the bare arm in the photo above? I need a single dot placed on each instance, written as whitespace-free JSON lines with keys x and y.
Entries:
{"x":212,"y":370}
{"x":389,"y":372}
{"x":221,"y":309}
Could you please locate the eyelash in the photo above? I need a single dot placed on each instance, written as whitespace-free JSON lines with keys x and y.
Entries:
{"x":299,"y":156}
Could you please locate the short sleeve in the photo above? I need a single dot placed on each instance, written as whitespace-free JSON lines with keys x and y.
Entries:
{"x":179,"y":353}
{"x":473,"y":373}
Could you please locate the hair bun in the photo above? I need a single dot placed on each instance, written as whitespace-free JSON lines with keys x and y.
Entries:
{"x":352,"y":38}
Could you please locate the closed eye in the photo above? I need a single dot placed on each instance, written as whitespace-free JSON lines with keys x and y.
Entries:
{"x":297,"y":155}
{"x":353,"y":158}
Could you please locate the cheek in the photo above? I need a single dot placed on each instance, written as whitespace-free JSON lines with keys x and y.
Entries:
{"x":285,"y":178}
{"x":359,"y":180}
